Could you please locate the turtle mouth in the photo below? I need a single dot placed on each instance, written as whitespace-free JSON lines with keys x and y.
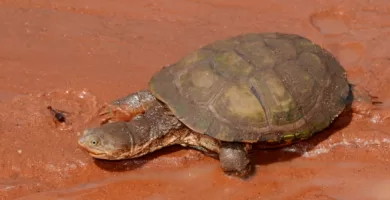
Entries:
{"x":99,"y":155}
{"x":91,"y":151}
{"x":103,"y":156}
{"x":96,"y":155}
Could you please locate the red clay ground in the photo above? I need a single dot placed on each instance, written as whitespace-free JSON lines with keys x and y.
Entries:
{"x":76,"y":54}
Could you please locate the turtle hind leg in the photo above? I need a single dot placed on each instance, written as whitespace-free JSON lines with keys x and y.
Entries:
{"x":359,"y":94}
{"x":235,"y":160}
{"x":233,"y":157}
{"x":361,"y":101}
{"x":126,"y":108}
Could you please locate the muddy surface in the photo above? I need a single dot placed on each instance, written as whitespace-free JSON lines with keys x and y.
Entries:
{"x":74,"y":55}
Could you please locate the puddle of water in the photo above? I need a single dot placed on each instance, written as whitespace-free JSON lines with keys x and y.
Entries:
{"x":330,"y":22}
{"x":348,"y":53}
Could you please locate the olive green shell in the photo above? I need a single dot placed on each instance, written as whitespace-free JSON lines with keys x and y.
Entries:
{"x":268,"y":87}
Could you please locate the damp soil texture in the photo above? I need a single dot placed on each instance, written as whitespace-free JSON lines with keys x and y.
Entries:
{"x":73,"y":55}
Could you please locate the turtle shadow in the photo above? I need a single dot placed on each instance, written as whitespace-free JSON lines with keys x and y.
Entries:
{"x":269,"y":156}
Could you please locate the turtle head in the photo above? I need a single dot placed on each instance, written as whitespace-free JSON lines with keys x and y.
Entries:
{"x":110,"y":141}
{"x":130,"y":139}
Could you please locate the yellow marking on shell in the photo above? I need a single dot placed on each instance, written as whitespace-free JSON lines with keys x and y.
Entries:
{"x":306,"y":88}
{"x":271,"y":141}
{"x":196,"y":56}
{"x":232,"y":64}
{"x":288,"y":137}
{"x":258,"y":53}
{"x":279,"y":94}
{"x":203,"y":78}
{"x":282,"y":110}
{"x":244,"y":104}
{"x":314,"y":59}
{"x":303,"y":134}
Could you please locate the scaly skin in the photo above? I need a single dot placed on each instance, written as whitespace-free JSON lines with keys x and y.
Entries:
{"x":157,"y":128}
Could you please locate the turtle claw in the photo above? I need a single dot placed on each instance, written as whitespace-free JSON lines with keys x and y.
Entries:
{"x":126,"y":108}
{"x":114,"y":113}
{"x":373,"y":99}
{"x":363,"y":96}
{"x":363,"y":102}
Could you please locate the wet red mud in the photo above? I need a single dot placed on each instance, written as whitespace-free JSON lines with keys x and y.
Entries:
{"x":74,"y":55}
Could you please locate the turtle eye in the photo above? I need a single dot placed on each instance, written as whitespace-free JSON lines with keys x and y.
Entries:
{"x":94,"y":142}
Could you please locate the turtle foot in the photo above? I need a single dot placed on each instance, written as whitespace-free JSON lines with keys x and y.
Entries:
{"x":113,"y":113}
{"x":363,"y":102}
{"x":126,"y":108}
{"x":235,"y":160}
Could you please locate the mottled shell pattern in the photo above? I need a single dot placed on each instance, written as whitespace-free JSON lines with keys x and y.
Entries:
{"x":273,"y":88}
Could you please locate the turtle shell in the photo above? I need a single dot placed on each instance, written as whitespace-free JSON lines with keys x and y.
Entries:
{"x":257,"y":87}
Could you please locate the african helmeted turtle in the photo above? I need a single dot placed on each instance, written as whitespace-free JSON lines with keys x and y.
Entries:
{"x":271,"y":89}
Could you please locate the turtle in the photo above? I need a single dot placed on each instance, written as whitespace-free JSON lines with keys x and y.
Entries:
{"x":265,"y":90}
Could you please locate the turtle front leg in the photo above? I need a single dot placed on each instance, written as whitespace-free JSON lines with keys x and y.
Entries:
{"x":235,"y":160}
{"x":126,"y":108}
